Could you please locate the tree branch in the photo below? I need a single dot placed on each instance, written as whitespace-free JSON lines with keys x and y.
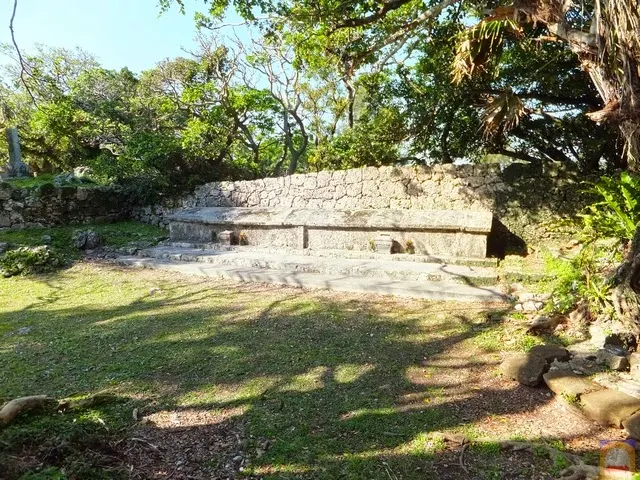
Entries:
{"x":23,"y":64}
{"x":405,"y":29}
{"x":385,"y":8}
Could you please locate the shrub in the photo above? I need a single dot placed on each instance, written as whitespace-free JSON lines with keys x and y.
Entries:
{"x":585,"y":277}
{"x":617,"y":211}
{"x":30,"y":260}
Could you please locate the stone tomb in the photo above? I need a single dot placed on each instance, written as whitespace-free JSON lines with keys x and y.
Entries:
{"x":424,"y":232}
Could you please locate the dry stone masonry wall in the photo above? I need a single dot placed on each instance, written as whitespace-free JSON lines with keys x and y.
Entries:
{"x":48,"y":205}
{"x":526,"y":201}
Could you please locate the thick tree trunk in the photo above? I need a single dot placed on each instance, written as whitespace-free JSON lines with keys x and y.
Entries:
{"x":626,"y":292}
{"x":631,"y":133}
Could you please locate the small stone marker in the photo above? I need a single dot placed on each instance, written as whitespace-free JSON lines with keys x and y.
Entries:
{"x":612,"y":359}
{"x":16,"y":167}
{"x":634,"y":361}
{"x":383,"y":243}
{"x":226,"y":237}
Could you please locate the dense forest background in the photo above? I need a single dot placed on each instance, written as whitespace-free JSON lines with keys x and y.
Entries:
{"x":322,"y":86}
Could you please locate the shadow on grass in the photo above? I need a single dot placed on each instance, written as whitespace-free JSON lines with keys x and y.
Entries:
{"x":340,"y":387}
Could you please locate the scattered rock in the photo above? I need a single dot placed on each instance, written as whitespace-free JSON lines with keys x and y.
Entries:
{"x":568,"y":383}
{"x":549,"y":353}
{"x":542,"y":324}
{"x":580,"y":314}
{"x":46,"y":239}
{"x":560,"y":366}
{"x":609,"y":407}
{"x":24,"y":330}
{"x":632,"y":426}
{"x":625,"y":340}
{"x":584,"y":365}
{"x":79,"y":175}
{"x":531,"y":306}
{"x":612,"y":358}
{"x":4,"y":246}
{"x":527,"y":369}
{"x":87,"y":240}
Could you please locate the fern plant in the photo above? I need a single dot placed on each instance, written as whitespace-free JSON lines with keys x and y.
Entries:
{"x":617,"y":212}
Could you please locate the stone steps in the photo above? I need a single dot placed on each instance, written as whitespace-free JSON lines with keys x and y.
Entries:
{"x":355,"y":254}
{"x":430,"y":290}
{"x":386,"y":270}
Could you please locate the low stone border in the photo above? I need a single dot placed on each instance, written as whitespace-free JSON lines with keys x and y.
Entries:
{"x":553,"y":365}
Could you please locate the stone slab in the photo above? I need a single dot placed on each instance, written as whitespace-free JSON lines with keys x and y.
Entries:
{"x":448,"y":243}
{"x":379,"y":219}
{"x":383,"y":286}
{"x":568,"y":383}
{"x":609,"y":407}
{"x":379,"y":268}
{"x":351,"y":254}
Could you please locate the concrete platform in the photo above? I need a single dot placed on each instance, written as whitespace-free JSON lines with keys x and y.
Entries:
{"x":429,"y":290}
{"x":344,"y":267}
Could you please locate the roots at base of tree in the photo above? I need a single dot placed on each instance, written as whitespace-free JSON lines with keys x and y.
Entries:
{"x":12,"y":409}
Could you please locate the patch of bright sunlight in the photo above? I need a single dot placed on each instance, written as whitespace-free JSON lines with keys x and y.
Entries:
{"x":247,"y":391}
{"x":350,"y":372}
{"x":306,"y":382}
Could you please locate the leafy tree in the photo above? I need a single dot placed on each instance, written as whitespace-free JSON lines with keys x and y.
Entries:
{"x":603,"y":39}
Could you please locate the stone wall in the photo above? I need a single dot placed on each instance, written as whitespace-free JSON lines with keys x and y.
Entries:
{"x":526,"y":202}
{"x":47,"y":206}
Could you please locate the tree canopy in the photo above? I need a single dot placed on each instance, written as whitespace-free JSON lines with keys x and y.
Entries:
{"x":343,"y":84}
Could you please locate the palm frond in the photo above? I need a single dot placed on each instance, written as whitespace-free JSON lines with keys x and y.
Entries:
{"x":502,"y":113}
{"x":479,"y":43}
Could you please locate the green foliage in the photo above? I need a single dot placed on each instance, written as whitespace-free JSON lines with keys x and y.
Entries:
{"x":585,"y":277}
{"x":53,"y":473}
{"x":30,"y":260}
{"x":374,"y":141}
{"x":617,"y":212}
{"x":114,"y":235}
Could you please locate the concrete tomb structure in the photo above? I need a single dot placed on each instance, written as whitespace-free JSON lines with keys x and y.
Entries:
{"x":446,"y":233}
{"x":430,"y":254}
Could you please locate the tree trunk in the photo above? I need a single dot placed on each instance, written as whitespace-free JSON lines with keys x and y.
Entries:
{"x":626,"y":291}
{"x":631,"y":133}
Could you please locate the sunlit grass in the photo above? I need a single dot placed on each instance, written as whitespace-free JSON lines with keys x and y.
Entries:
{"x":331,"y":380}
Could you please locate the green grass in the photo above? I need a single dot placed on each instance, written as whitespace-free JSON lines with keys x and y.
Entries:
{"x":114,"y":235}
{"x":341,"y":387}
{"x":320,"y":377}
{"x":46,"y":179}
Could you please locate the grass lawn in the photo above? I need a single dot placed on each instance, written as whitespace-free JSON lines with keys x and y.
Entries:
{"x":113,"y":235}
{"x":47,"y":179}
{"x":257,"y":381}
